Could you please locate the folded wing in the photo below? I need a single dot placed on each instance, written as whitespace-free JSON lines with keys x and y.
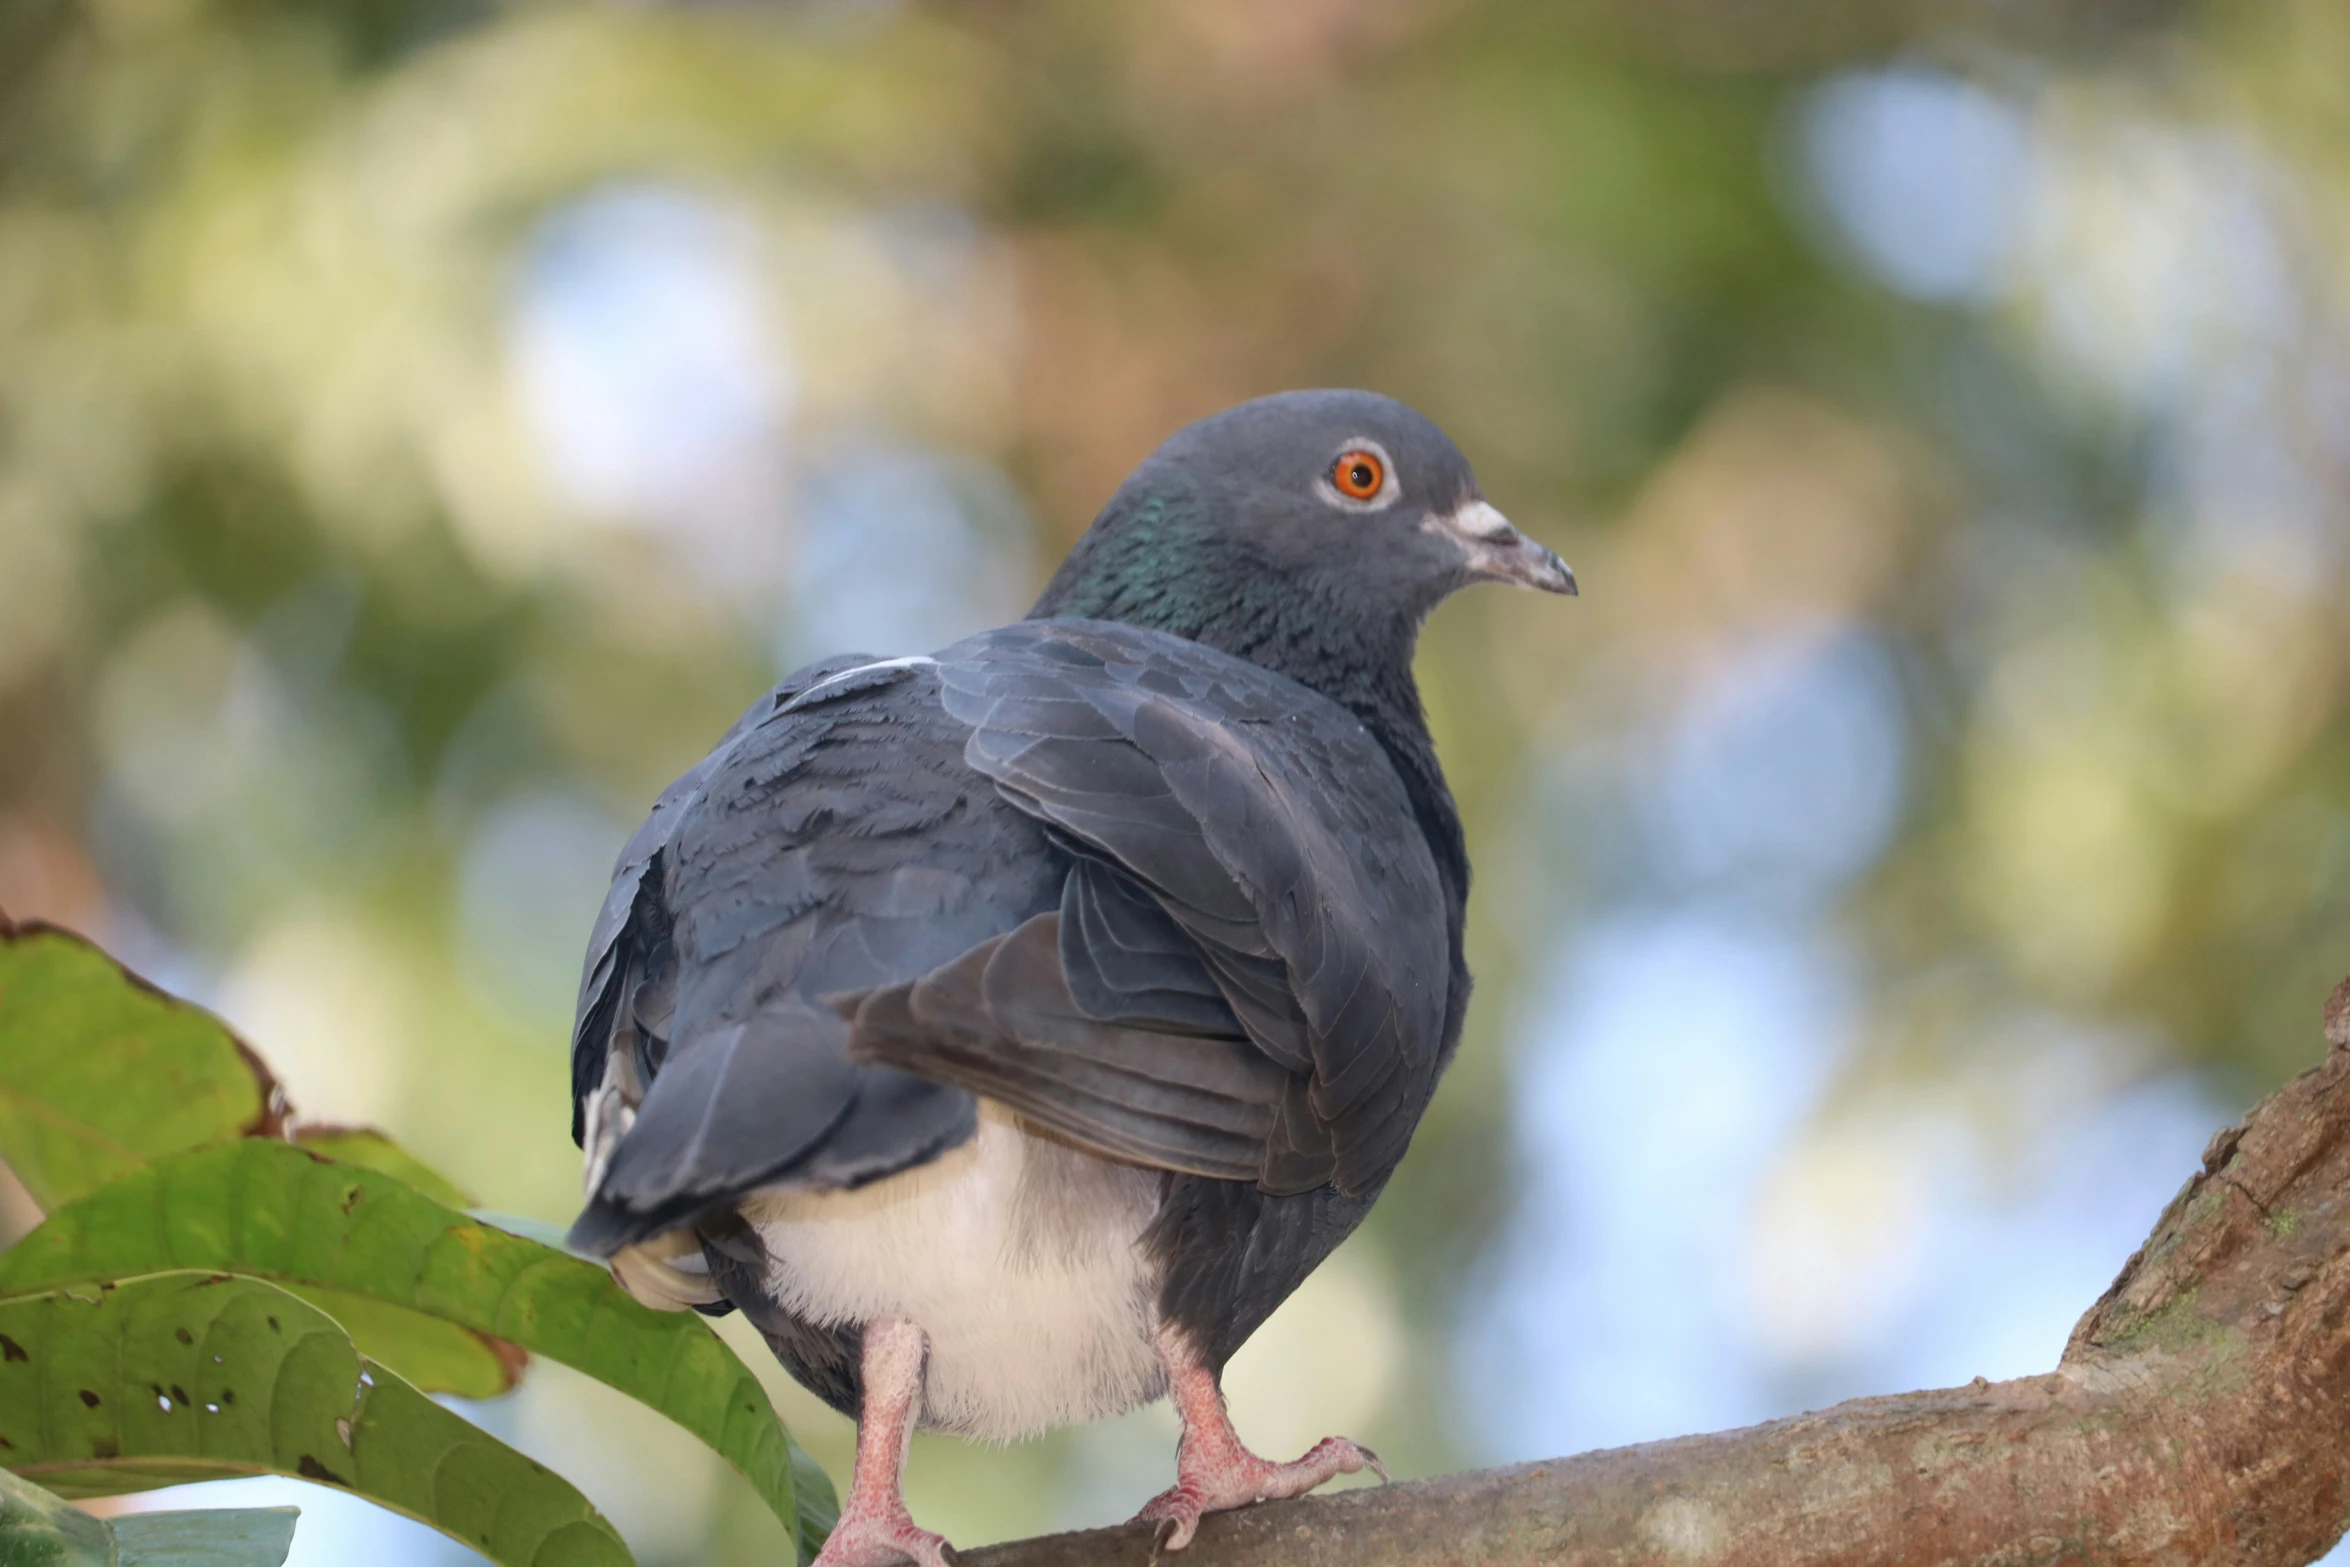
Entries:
{"x":1165,"y":904}
{"x":1239,"y":840}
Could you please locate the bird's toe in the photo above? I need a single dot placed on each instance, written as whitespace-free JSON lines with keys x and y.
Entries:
{"x":1326,"y":1460}
{"x":884,"y":1542}
{"x":1177,"y":1512}
{"x":1235,"y":1478}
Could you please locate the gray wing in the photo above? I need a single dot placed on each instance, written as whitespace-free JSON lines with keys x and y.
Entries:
{"x":835,"y":841}
{"x":1247,"y":972}
{"x":607,"y":990}
{"x":1164,"y":903}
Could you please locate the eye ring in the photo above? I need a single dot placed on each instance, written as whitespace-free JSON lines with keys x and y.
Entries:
{"x":1361,"y":478}
{"x":1358,"y":473}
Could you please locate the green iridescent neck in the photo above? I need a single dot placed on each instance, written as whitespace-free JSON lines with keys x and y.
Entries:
{"x":1165,"y":560}
{"x":1159,"y":562}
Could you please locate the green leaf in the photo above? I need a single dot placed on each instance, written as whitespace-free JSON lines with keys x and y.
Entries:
{"x":436,"y":1354}
{"x":203,"y":1376}
{"x":214,"y":1537}
{"x":76,"y":1028}
{"x":373,"y":1150}
{"x":100,"y":1072}
{"x":269,"y":1210}
{"x":552,"y":1236}
{"x":819,"y":1507}
{"x":38,"y":1529}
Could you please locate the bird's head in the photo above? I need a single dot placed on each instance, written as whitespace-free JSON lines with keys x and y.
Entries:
{"x":1335,"y":502}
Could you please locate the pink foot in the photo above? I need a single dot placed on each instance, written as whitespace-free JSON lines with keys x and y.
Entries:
{"x":884,"y":1540}
{"x":1213,"y":1477}
{"x":875,"y":1530}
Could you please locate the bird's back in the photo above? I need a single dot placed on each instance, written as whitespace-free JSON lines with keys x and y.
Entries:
{"x":1080,"y":947}
{"x":834,"y":841}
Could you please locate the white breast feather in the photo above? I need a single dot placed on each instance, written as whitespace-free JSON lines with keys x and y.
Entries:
{"x":1016,"y":1255}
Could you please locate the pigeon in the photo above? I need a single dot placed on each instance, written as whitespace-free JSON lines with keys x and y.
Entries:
{"x":1007,"y":1030}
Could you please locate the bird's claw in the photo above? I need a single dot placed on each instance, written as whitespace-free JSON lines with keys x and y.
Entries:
{"x":1172,"y":1534}
{"x":882,"y":1541}
{"x":1238,"y":1477}
{"x":1177,"y":1513}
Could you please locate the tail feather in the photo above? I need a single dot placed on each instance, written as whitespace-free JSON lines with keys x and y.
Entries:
{"x":756,"y":1102}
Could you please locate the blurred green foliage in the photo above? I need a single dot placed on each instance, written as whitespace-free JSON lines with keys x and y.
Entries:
{"x":220,"y":1254}
{"x":296,"y":603}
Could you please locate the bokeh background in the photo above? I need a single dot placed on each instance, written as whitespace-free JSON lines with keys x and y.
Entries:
{"x":424,"y":424}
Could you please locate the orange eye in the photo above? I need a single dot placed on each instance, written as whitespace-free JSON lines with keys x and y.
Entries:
{"x":1358,"y":474}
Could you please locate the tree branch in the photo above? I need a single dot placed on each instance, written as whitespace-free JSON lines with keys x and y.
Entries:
{"x":2201,"y":1414}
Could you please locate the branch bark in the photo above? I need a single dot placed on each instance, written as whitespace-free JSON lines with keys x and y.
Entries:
{"x":2200,"y":1415}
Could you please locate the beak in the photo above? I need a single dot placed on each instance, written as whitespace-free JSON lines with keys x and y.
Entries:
{"x":1498,"y":552}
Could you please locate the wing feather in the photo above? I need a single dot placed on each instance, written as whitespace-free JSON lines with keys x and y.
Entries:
{"x":1162,"y":903}
{"x":1269,"y":827}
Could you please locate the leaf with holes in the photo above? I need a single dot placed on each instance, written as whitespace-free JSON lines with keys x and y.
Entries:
{"x":269,"y":1210}
{"x":436,"y":1354}
{"x":99,"y":1072}
{"x":193,"y":1376}
{"x":371,"y":1149}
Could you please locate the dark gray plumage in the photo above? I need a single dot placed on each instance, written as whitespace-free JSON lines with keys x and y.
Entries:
{"x":1167,"y":872}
